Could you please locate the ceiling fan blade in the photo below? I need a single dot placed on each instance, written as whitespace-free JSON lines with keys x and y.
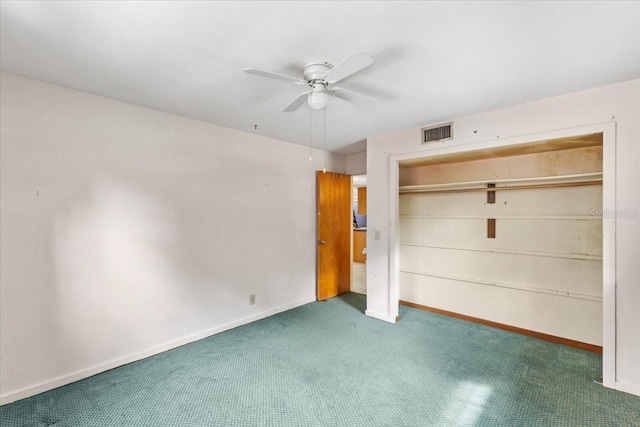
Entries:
{"x":351,"y":64}
{"x":301,"y":99}
{"x":349,"y":95}
{"x":276,"y":76}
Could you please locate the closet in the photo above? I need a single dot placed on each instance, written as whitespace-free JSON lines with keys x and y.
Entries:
{"x":509,"y":236}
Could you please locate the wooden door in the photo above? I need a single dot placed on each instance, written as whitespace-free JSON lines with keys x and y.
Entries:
{"x":362,"y":200}
{"x":335,"y":215}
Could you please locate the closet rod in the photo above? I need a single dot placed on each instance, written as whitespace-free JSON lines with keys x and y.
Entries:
{"x":501,"y":182}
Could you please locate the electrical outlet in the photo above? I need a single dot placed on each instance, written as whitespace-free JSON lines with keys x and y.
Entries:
{"x":252,"y":299}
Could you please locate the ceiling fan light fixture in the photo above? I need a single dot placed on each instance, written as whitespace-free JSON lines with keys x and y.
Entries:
{"x":318,"y":100}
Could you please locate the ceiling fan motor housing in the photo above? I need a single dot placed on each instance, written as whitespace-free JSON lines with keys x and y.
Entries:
{"x":317,"y":71}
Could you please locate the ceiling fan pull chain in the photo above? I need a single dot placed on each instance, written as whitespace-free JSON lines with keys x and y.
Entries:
{"x":324,"y":140}
{"x":310,"y":134}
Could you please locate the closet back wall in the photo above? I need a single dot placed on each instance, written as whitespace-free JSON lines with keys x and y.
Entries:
{"x":543,"y":269}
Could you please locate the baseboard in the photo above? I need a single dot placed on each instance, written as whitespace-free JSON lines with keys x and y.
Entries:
{"x":628,"y":388}
{"x":86,"y":373}
{"x":522,"y":331}
{"x":380,"y":316}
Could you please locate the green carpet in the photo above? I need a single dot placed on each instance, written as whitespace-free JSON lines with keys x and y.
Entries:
{"x":326,"y":364}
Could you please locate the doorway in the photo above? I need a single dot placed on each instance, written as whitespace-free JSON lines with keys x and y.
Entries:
{"x":341,"y":234}
{"x":359,"y":264}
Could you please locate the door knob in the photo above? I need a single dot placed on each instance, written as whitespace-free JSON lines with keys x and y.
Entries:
{"x":322,"y":242}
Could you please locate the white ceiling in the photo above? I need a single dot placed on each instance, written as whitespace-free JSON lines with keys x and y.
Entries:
{"x":433,"y":60}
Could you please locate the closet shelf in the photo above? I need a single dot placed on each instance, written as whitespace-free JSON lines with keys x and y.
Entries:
{"x":594,"y":178}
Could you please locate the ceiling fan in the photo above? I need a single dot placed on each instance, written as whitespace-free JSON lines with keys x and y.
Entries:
{"x":320,"y":76}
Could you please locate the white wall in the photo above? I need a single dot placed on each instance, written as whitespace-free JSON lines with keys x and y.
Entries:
{"x":355,"y":164}
{"x":618,"y":104}
{"x":127,"y":231}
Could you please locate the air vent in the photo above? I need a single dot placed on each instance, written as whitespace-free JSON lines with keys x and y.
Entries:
{"x":437,"y":133}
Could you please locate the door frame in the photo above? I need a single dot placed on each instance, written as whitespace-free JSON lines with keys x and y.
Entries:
{"x":608,"y":130}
